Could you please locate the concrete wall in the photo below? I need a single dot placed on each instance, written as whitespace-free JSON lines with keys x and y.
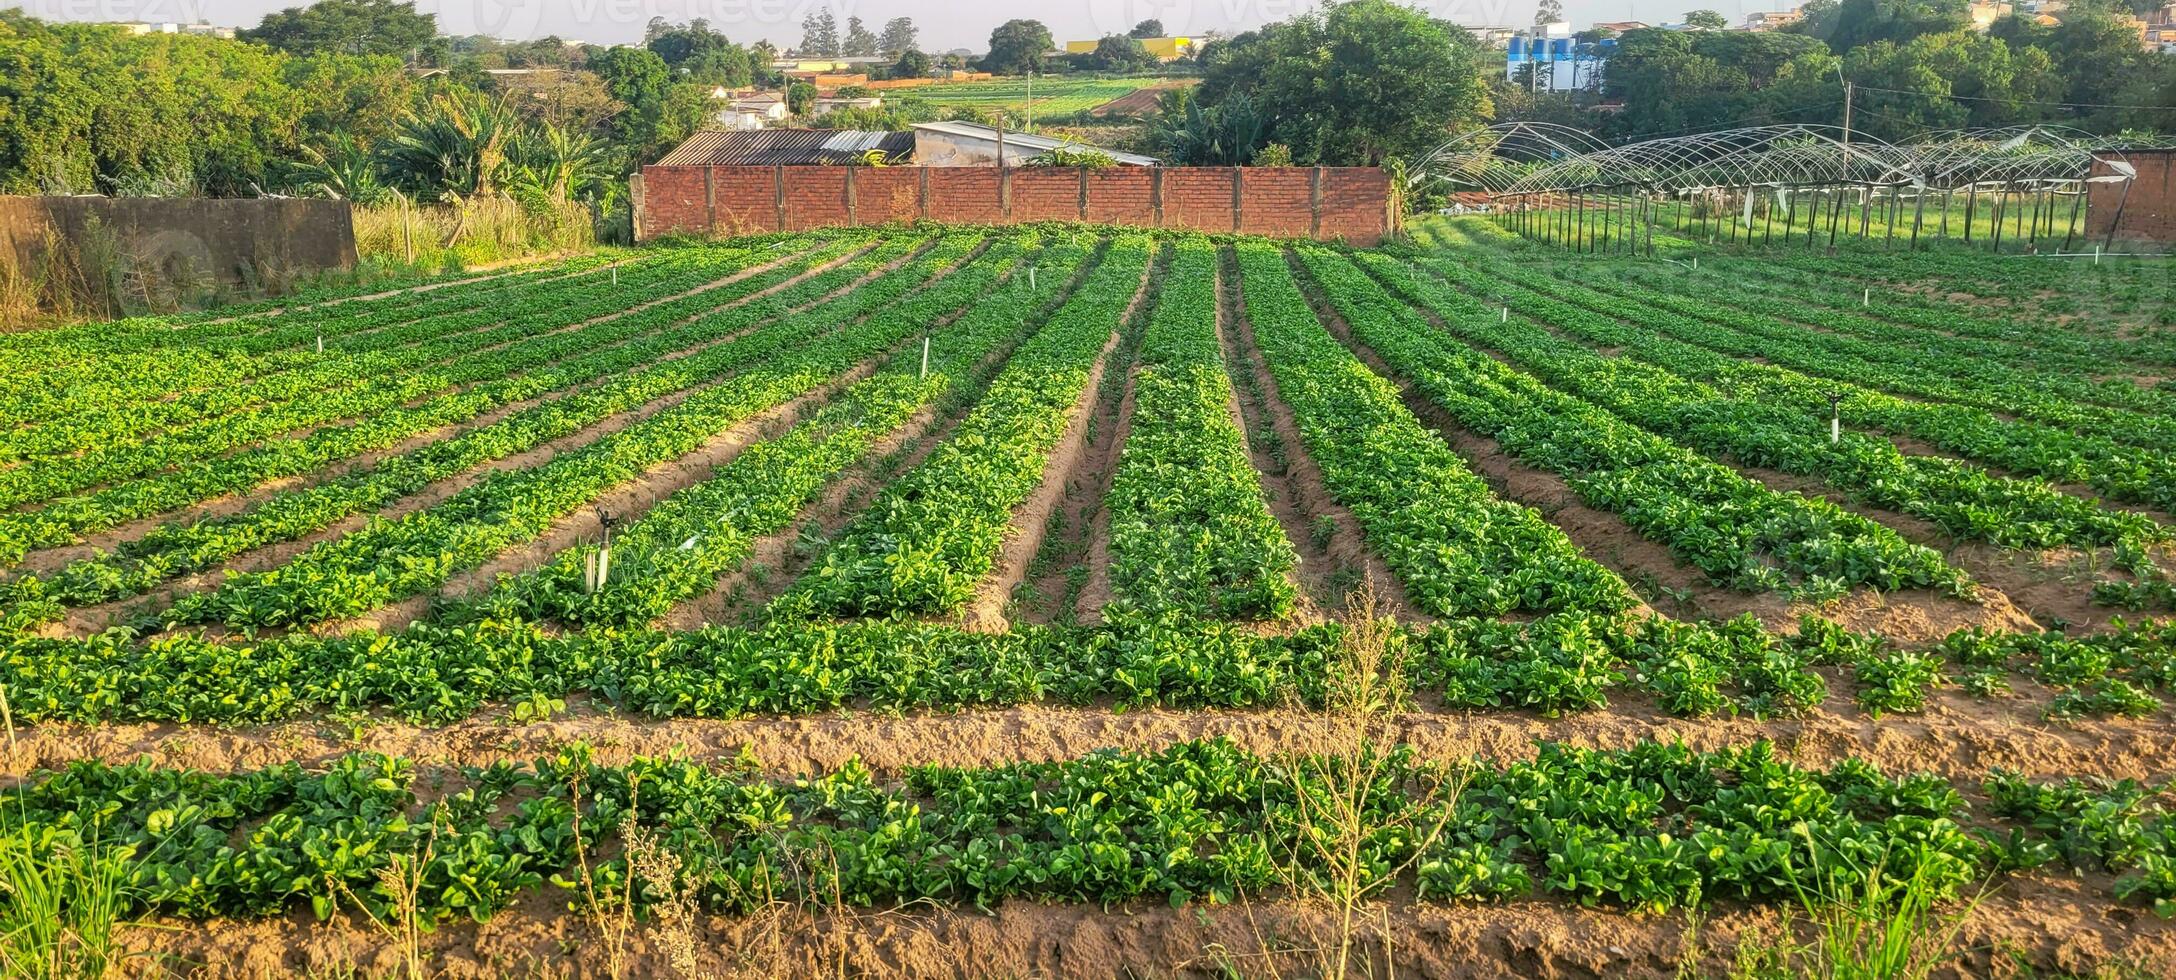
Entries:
{"x":2144,"y":213}
{"x":1329,"y":203}
{"x":189,"y":237}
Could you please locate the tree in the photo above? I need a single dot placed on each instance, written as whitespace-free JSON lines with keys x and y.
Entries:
{"x":1705,"y":20}
{"x":349,"y":26}
{"x":899,"y":37}
{"x":638,"y":79}
{"x":800,"y":98}
{"x":1847,"y":24}
{"x":820,"y":34}
{"x":1548,"y":12}
{"x":859,"y":42}
{"x":1357,"y":83}
{"x":1669,"y":81}
{"x":911,"y":64}
{"x":1147,"y":29}
{"x":1117,"y":52}
{"x":1017,"y":47}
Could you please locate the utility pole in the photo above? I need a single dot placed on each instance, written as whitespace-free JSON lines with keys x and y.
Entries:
{"x":1847,"y":121}
{"x":1030,"y":127}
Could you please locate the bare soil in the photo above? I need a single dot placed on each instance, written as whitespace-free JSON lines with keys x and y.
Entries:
{"x":2050,"y":923}
{"x":1068,"y":460}
{"x":1307,"y":502}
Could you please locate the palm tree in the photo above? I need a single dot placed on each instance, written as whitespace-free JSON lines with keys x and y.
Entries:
{"x":456,"y":148}
{"x":343,"y":169}
{"x":558,"y":164}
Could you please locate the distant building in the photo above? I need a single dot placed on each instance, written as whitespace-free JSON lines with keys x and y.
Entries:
{"x":961,"y":144}
{"x":1559,"y":64}
{"x":790,"y":147}
{"x":753,"y":111}
{"x":1985,"y":14}
{"x":1163,"y":48}
{"x":195,"y":30}
{"x":1620,"y":26}
{"x":831,"y":105}
{"x":1770,"y":20}
{"x":1494,"y":37}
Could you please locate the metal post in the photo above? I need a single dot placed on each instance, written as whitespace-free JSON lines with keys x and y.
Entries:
{"x":1919,"y":214}
{"x":1971,"y":204}
{"x":2070,"y":228}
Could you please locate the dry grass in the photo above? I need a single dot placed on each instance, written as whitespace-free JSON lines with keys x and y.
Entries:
{"x":1349,"y":798}
{"x":472,"y":233}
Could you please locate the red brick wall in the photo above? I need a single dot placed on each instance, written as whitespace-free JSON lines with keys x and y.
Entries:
{"x":1122,"y":196}
{"x":1349,"y":203}
{"x":2148,"y":213}
{"x":1046,"y":194}
{"x":964,"y":195}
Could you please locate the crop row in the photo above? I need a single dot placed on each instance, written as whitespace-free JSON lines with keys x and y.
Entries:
{"x":115,"y":423}
{"x":62,"y":379}
{"x":557,"y":362}
{"x":1964,"y":500}
{"x":933,"y":535}
{"x":1737,"y":532}
{"x":1190,"y":531}
{"x":680,"y":548}
{"x":390,"y":559}
{"x":1565,"y":662}
{"x":1456,"y":547}
{"x":2029,"y":342}
{"x":2123,"y":473}
{"x":1650,"y":827}
{"x":1823,"y":355}
{"x":176,"y":549}
{"x":535,"y":331}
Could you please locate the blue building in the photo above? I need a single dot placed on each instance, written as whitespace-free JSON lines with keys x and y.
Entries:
{"x":1562,"y":64}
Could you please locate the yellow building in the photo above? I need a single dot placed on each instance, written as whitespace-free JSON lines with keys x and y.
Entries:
{"x":1164,"y":48}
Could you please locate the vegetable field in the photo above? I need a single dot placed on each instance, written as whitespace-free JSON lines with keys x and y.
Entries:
{"x":1052,"y":96}
{"x":1075,"y":601}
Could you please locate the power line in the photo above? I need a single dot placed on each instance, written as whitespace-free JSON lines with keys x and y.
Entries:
{"x":1982,"y":98}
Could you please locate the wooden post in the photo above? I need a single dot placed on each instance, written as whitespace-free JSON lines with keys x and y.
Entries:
{"x":407,"y":234}
{"x":851,"y":218}
{"x":1239,"y":205}
{"x":1314,"y":205}
{"x":710,"y":200}
{"x":778,"y":193}
{"x":638,"y":198}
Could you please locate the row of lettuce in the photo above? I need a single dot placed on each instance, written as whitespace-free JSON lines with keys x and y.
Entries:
{"x":1650,"y":827}
{"x":684,"y":351}
{"x":1693,"y":365}
{"x":1564,"y":662}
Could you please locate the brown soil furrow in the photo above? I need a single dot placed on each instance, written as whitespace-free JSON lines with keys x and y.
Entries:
{"x":1070,"y":457}
{"x":1917,"y":616}
{"x":2055,"y":925}
{"x":91,"y":619}
{"x":1956,"y":737}
{"x":1307,"y":499}
{"x":303,"y":432}
{"x":777,"y":560}
{"x":627,"y":501}
{"x":48,"y":560}
{"x":1087,"y":515}
{"x":1652,"y":570}
{"x":2042,"y":589}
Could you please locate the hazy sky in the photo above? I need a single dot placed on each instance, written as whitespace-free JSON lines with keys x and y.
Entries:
{"x":945,"y":24}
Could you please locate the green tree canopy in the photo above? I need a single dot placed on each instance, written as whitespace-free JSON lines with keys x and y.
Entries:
{"x":388,"y":27}
{"x":1017,"y":47}
{"x":1147,"y":29}
{"x":1356,"y":84}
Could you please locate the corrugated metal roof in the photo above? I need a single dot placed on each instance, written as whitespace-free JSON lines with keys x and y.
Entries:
{"x":1040,"y":144}
{"x":763,"y":147}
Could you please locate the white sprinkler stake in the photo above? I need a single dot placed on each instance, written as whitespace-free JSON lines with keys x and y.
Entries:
{"x":925,"y":357}
{"x":1503,"y":315}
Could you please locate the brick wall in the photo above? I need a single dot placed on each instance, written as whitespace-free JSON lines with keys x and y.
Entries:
{"x":2147,"y":212}
{"x":1347,"y":203}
